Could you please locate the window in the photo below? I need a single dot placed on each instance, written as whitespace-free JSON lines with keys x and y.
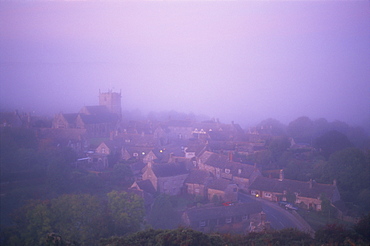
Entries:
{"x":227,"y":170}
{"x":228,"y":220}
{"x":239,"y":171}
{"x":202,"y":223}
{"x":267,"y":194}
{"x":196,"y":190}
{"x":136,"y":154}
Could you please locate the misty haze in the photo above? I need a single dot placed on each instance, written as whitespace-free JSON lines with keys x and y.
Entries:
{"x":165,"y":122}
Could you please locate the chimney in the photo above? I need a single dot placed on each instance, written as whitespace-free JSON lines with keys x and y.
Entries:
{"x":310,"y":183}
{"x":281,"y":175}
{"x":170,"y":159}
{"x":230,"y":156}
{"x":263,"y":218}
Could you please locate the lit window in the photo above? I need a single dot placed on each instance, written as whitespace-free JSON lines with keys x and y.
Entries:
{"x":227,"y":170}
{"x":135,"y":154}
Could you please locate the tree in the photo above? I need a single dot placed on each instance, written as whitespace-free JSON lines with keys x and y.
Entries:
{"x":331,"y":142}
{"x":33,"y":222}
{"x":175,"y":237}
{"x":301,"y":130}
{"x":278,"y":146}
{"x":320,"y":126}
{"x":333,"y":234}
{"x":352,"y":170}
{"x":121,"y":175}
{"x":187,"y":237}
{"x":126,"y":210}
{"x":290,"y":236}
{"x":272,"y":126}
{"x":163,"y":215}
{"x":77,"y":218}
{"x":363,"y":227}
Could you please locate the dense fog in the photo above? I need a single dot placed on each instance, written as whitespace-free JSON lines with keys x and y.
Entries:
{"x":234,"y":60}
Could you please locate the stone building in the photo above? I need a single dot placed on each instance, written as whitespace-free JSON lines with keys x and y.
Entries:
{"x":166,"y":178}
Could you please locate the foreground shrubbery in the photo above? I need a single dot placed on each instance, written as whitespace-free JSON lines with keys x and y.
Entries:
{"x":189,"y":237}
{"x":330,"y":235}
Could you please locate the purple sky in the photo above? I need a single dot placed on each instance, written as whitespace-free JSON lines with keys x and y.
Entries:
{"x":234,"y":60}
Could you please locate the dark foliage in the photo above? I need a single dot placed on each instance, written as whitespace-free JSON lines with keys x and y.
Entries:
{"x":363,"y":227}
{"x":333,"y":234}
{"x":331,"y":142}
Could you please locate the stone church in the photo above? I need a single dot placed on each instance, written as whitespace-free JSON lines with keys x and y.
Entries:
{"x":99,"y":120}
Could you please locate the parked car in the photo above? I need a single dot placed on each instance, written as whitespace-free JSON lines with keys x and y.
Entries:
{"x":290,"y":206}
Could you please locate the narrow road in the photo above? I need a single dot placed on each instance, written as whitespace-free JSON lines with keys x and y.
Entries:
{"x":279,"y":218}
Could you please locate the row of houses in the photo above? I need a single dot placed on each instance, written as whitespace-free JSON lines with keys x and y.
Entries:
{"x":213,"y":175}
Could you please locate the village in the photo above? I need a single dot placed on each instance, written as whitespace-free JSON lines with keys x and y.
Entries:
{"x":206,"y":160}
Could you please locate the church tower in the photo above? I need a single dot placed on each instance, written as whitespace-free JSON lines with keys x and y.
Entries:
{"x":112,"y":100}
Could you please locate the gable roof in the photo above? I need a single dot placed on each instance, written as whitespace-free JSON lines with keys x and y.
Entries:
{"x":169,"y":169}
{"x":304,"y":189}
{"x":146,"y":186}
{"x":112,"y":144}
{"x":98,"y":119}
{"x":137,"y":166}
{"x":215,"y":212}
{"x":94,"y":110}
{"x":70,"y":118}
{"x":180,"y":123}
{"x":198,"y":177}
{"x":219,"y":184}
{"x":134,"y":139}
{"x":222,"y":162}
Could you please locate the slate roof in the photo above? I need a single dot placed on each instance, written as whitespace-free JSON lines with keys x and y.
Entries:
{"x":302,"y":188}
{"x":219,"y":184}
{"x":138,"y":139}
{"x":137,"y":166}
{"x":10,"y":119}
{"x":70,"y":118}
{"x":198,"y":177}
{"x":98,"y":119}
{"x":95,"y":110}
{"x":169,"y":169}
{"x":222,"y":162}
{"x":57,"y":133}
{"x":146,"y":186}
{"x":238,"y":209}
{"x":196,"y":148}
{"x":137,"y":149}
{"x":215,"y":145}
{"x":179,"y":123}
{"x":113,"y":144}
